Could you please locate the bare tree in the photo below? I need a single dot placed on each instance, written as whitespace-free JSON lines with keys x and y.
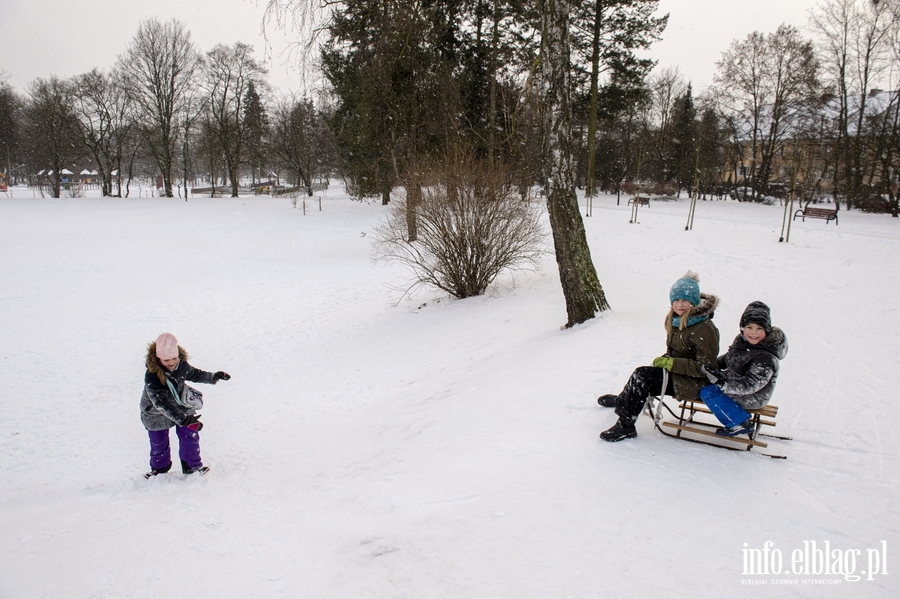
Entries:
{"x":158,"y":69}
{"x":104,"y":113}
{"x":762,"y":84}
{"x":472,"y":225}
{"x":52,"y":137}
{"x":228,"y":72}
{"x":581,"y":287}
{"x":666,"y":86}
{"x":855,"y":42}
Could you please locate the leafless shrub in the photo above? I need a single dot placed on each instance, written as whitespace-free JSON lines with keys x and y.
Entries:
{"x":472,"y":225}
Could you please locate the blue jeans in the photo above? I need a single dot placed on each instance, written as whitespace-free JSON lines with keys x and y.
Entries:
{"x":728,"y":411}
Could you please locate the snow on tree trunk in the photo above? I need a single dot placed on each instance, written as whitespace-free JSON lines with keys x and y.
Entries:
{"x":581,"y":287}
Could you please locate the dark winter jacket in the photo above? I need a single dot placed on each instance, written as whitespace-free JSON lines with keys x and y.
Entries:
{"x":751,"y":370}
{"x":692,"y":347}
{"x":159,"y":410}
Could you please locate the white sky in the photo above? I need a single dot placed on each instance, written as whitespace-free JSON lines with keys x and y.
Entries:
{"x":43,"y":37}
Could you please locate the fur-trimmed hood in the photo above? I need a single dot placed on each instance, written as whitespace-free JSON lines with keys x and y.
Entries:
{"x":160,"y":408}
{"x":153,"y":364}
{"x":706,"y":309}
{"x":707,"y":306}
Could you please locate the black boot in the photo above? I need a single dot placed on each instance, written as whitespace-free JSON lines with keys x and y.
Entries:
{"x":621,"y":430}
{"x":187,"y":469}
{"x":608,"y":401}
{"x":154,"y":471}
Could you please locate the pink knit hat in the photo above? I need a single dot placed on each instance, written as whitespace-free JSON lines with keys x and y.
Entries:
{"x":166,"y":346}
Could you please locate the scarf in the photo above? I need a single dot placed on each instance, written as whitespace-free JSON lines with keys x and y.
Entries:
{"x":676,"y":321}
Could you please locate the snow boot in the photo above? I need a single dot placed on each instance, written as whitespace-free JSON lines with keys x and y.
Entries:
{"x":154,"y":471}
{"x":744,"y":428}
{"x":608,"y":401}
{"x":621,"y":430}
{"x":188,"y":470}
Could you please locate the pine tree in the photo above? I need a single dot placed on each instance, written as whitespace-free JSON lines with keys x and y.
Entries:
{"x":605,"y":37}
{"x":256,"y":127}
{"x":683,"y":148}
{"x":10,"y":116}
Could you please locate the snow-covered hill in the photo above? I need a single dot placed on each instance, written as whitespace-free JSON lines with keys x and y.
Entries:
{"x":376,"y":445}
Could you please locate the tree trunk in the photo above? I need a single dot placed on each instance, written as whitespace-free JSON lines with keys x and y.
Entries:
{"x":589,"y":186}
{"x":581,"y":287}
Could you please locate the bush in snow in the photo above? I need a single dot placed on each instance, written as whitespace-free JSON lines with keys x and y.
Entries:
{"x":472,"y":223}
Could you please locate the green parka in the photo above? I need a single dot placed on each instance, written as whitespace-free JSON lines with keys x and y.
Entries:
{"x":694,"y":346}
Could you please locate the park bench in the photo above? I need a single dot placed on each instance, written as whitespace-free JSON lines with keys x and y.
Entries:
{"x":823,"y":213}
{"x":283,"y":191}
{"x":640,"y":201}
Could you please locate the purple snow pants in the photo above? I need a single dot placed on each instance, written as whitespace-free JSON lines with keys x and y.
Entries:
{"x":188,"y":449}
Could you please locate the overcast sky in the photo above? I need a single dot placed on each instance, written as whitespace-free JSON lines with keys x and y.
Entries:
{"x":39,"y":38}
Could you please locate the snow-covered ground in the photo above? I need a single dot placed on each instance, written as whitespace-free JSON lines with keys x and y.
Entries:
{"x":373,"y":445}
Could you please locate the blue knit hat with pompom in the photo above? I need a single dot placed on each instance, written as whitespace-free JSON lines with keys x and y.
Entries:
{"x":686,"y":288}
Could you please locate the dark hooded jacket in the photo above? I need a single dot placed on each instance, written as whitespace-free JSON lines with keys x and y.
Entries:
{"x":692,"y":347}
{"x":752,"y":370}
{"x":159,"y":410}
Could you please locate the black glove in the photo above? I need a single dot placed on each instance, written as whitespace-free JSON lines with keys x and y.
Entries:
{"x":193,"y":423}
{"x":714,"y":375}
{"x":221,"y":376}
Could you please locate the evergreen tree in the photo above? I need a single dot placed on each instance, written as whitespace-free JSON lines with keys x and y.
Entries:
{"x":10,"y":116}
{"x":683,"y":159}
{"x":299,"y":141}
{"x":256,"y":127}
{"x":605,"y":36}
{"x":391,"y":69}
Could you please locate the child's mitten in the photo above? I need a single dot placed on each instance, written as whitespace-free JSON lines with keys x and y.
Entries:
{"x":663,"y":362}
{"x":193,"y":423}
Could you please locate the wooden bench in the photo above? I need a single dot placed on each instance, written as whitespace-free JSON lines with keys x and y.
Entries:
{"x":694,"y":422}
{"x":823,"y":213}
{"x":640,"y":201}
{"x":283,"y":191}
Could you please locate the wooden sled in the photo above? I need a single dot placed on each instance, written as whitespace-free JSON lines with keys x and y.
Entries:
{"x":692,"y":421}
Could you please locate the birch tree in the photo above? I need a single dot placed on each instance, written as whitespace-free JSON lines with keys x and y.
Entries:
{"x":582,"y":290}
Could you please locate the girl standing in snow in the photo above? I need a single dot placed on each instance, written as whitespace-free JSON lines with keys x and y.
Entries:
{"x":167,"y":402}
{"x":692,"y":341}
{"x":749,"y":371}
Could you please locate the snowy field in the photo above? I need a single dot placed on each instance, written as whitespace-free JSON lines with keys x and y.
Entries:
{"x":374,"y":445}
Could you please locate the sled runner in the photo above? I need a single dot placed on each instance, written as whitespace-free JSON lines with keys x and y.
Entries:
{"x":693,"y":421}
